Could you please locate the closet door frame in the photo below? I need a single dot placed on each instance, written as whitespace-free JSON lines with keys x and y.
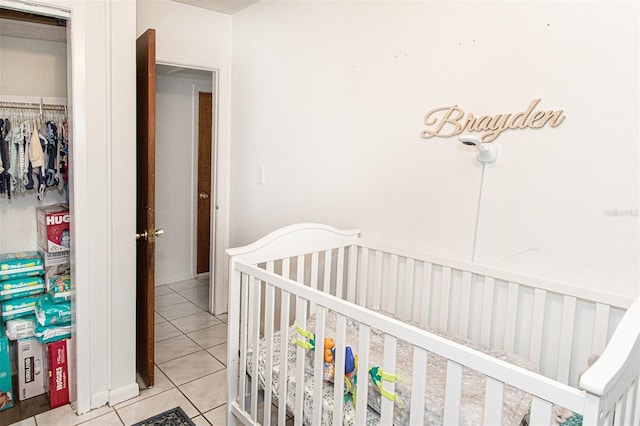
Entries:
{"x":103,"y":250}
{"x":79,"y":365}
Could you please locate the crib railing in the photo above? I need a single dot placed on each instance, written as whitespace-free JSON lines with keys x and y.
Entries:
{"x":556,"y":326}
{"x":255,"y":281}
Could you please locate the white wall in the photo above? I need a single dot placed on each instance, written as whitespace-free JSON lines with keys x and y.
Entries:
{"x":33,"y":67}
{"x":176,"y":168}
{"x":330,"y":98}
{"x":31,"y":70}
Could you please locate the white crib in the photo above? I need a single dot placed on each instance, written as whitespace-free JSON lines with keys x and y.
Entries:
{"x":308,"y":269}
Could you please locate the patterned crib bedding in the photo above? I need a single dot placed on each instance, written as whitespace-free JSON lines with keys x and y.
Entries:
{"x":516,"y":402}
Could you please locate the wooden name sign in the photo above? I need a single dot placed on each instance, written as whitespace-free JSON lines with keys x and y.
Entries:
{"x":451,"y":120}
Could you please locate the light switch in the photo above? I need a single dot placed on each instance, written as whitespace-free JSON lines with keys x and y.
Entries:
{"x":260,"y":175}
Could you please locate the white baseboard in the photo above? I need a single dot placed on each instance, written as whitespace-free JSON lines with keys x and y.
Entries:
{"x":124,"y":393}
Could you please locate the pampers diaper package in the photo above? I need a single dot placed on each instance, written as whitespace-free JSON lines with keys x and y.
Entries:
{"x":21,"y":287}
{"x":20,"y":265}
{"x":17,"y":308}
{"x":6,"y":387}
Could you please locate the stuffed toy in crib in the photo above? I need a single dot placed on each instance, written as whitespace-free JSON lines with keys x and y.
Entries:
{"x":328,"y":372}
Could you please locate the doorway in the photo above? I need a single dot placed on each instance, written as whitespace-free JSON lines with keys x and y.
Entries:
{"x":183,"y":178}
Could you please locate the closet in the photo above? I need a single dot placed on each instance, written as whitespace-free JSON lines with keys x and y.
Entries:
{"x":33,"y":96}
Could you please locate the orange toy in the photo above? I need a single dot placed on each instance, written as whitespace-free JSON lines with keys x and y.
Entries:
{"x":329,"y":344}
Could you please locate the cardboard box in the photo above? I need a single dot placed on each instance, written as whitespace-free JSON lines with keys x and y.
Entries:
{"x":53,"y":228}
{"x":6,"y":386}
{"x":58,"y":372}
{"x":31,"y":368}
{"x":54,"y":258}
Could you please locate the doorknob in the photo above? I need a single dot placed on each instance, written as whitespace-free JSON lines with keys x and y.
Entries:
{"x":204,"y":195}
{"x":146,"y":236}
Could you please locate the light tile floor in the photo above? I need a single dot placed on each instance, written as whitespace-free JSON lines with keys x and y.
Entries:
{"x":190,"y":355}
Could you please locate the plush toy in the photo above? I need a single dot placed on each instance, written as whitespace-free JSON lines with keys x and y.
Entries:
{"x":328,"y":372}
{"x":378,"y":376}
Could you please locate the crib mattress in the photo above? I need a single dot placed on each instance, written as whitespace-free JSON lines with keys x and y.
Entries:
{"x":516,"y":402}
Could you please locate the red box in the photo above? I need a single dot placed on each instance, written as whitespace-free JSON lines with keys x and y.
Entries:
{"x":58,"y":382}
{"x":53,"y":228}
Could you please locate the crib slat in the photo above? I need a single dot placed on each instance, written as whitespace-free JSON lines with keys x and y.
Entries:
{"x":301,"y":319}
{"x":465,"y":303}
{"x":389,"y":366}
{"x":619,"y":418}
{"x":535,"y":347}
{"x":244,"y":338}
{"x":566,"y":338}
{"x":314,"y":279}
{"x":326,"y":287}
{"x":376,"y":290}
{"x":600,"y":328}
{"x":317,"y":365}
{"x":419,"y":384}
{"x":340,"y":274}
{"x":541,"y":411}
{"x":418,"y":308}
{"x":390,"y":294}
{"x":352,"y":278}
{"x":408,"y":290}
{"x":363,"y":278}
{"x":632,"y":396}
{"x":314,"y":269}
{"x":268,"y":337}
{"x":286,"y":265}
{"x":511,"y":317}
{"x":445,"y":289}
{"x":284,"y":359}
{"x":254,"y":320}
{"x":340,"y":345}
{"x":494,"y":394}
{"x":453,"y":391}
{"x":363,"y":363}
{"x":424,"y":303}
{"x":636,"y":404}
{"x":300,"y":267}
{"x":487,"y":310}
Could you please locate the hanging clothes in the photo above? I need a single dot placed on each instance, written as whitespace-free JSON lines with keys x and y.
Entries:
{"x":33,"y":149}
{"x":5,"y":158}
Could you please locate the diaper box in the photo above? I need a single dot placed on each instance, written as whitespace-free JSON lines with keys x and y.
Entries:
{"x":53,"y":228}
{"x":32,"y":369}
{"x":53,"y":258}
{"x":57,"y":354}
{"x":6,"y":386}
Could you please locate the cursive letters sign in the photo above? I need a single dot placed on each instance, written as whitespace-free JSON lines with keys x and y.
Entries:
{"x":451,"y":120}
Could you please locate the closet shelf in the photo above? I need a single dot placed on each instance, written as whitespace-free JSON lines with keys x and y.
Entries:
{"x":31,"y":105}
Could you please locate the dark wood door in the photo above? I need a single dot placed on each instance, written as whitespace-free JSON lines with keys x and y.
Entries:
{"x":145,"y":234}
{"x":205,"y":107}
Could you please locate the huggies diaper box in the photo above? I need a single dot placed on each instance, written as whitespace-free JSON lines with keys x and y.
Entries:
{"x":53,"y":228}
{"x":58,"y":381}
{"x":6,"y":387}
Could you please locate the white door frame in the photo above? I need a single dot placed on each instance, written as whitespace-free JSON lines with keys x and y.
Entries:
{"x":219,"y":206}
{"x":75,"y":14}
{"x":103,"y":223}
